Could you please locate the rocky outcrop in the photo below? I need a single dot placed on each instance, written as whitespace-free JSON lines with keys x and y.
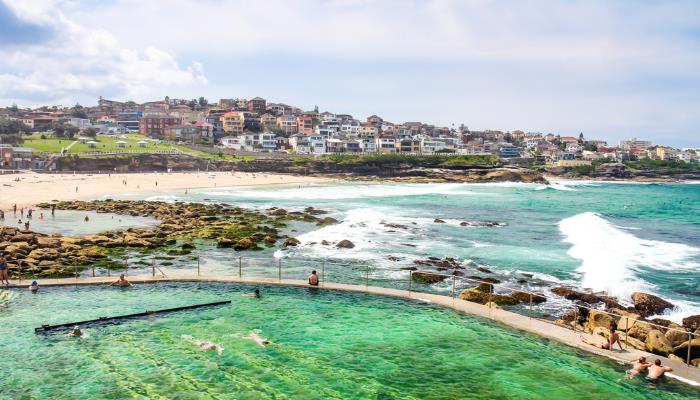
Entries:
{"x":657,"y":343}
{"x":648,"y":304}
{"x":345,"y":244}
{"x":692,"y":322}
{"x":291,"y":242}
{"x":427,"y":277}
{"x":477,"y":296}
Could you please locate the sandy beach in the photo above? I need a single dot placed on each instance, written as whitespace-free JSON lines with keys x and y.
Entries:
{"x":34,"y":188}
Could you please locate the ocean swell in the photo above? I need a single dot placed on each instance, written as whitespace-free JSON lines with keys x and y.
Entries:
{"x":612,"y":258}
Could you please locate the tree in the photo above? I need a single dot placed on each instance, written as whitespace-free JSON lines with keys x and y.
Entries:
{"x":580,"y":138}
{"x":193,"y":104}
{"x":71,"y":131}
{"x":78,"y":111}
{"x":91,"y":132}
{"x":13,"y":107}
{"x":203,"y":102}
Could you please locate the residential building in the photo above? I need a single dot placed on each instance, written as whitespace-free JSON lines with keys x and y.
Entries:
{"x":409,"y":145}
{"x":257,"y":105}
{"x":431,"y":146}
{"x":305,"y":124}
{"x":154,"y":125}
{"x":634,"y":145}
{"x":268,"y":120}
{"x":666,"y":153}
{"x":368,"y":130}
{"x":386,"y":144}
{"x":233,"y":122}
{"x":129,"y":120}
{"x":181,"y":133}
{"x":508,"y":151}
{"x":251,"y":121}
{"x":335,"y":146}
{"x":43,"y":123}
{"x":232,"y":142}
{"x":375,"y":120}
{"x":288,"y":124}
{"x":6,"y":160}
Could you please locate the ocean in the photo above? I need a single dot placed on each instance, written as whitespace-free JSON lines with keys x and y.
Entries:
{"x":603,"y":236}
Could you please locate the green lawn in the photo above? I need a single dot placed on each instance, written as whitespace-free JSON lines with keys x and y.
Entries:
{"x":104,"y":144}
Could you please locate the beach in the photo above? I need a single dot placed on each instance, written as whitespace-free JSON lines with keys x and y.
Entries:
{"x":34,"y":188}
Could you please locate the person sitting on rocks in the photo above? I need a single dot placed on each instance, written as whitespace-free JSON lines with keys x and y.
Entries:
{"x":121,"y":282}
{"x":657,"y":371}
{"x":601,"y":343}
{"x":638,"y":367}
{"x":313,"y":279}
{"x":34,"y":287}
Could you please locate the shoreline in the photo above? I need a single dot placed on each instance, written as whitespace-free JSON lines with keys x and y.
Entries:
{"x":34,"y":188}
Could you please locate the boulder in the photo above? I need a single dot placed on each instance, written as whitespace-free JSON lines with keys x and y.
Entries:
{"x":325,"y":243}
{"x":682,"y":349}
{"x":525,"y":297}
{"x":574,"y":295}
{"x":676,"y":335}
{"x":648,"y":304}
{"x":43,"y":254}
{"x":427,"y":277}
{"x":345,"y":244}
{"x":187,"y":246}
{"x":225,"y":242}
{"x":601,"y":331}
{"x":626,"y":320}
{"x":639,"y":331}
{"x":438,"y":221}
{"x":599,"y":319}
{"x":477,"y":296}
{"x":632,"y":342}
{"x":244,"y":244}
{"x":692,"y":322}
{"x":279,"y":212}
{"x":291,"y":242}
{"x":326,"y":221}
{"x":657,"y":343}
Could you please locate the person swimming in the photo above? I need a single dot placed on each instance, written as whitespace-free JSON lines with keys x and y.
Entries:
{"x":204,"y":345}
{"x":257,"y":339}
{"x":254,"y":293}
{"x":34,"y":287}
{"x":121,"y":282}
{"x":657,"y":371}
{"x":638,"y":367}
{"x":76,"y":332}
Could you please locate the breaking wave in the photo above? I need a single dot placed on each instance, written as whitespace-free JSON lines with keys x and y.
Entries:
{"x":611,"y":258}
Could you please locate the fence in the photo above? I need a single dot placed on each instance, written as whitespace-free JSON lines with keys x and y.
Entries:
{"x":359,"y":273}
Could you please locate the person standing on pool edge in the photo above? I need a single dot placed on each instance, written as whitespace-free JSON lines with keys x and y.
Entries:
{"x":313,"y":279}
{"x":3,"y":270}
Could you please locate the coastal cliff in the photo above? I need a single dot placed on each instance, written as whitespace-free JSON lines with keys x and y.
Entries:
{"x":381,"y":167}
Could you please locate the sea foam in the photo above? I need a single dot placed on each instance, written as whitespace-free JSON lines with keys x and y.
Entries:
{"x":611,"y":258}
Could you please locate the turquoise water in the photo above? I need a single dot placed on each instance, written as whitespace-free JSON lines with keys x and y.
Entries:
{"x":614,"y":237}
{"x":73,"y":222}
{"x":326,"y":345}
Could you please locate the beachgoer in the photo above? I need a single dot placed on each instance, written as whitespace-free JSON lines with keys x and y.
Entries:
{"x":53,"y":209}
{"x":26,"y":226}
{"x":2,"y":215}
{"x":255,"y":293}
{"x":87,"y":219}
{"x":76,"y":332}
{"x":14,"y":208}
{"x":313,"y":279}
{"x":601,"y":343}
{"x":34,"y":287}
{"x":41,"y":215}
{"x":257,"y":339}
{"x":638,"y":367}
{"x":29,"y":213}
{"x":657,"y":371}
{"x":76,"y":189}
{"x":121,"y":282}
{"x":204,"y":345}
{"x":3,"y":270}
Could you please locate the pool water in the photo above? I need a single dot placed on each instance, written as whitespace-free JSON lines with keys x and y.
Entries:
{"x":327,"y":345}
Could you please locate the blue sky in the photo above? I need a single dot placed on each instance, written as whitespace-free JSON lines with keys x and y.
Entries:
{"x":611,"y":69}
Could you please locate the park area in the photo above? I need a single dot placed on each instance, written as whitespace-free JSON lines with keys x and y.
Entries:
{"x":130,"y":143}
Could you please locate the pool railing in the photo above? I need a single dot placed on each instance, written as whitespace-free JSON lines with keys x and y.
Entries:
{"x":361,"y":273}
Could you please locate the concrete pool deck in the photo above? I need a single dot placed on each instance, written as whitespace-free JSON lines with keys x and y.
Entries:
{"x":524,"y":323}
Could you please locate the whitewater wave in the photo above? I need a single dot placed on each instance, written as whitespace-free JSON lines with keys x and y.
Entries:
{"x":611,"y":258}
{"x":340,"y":192}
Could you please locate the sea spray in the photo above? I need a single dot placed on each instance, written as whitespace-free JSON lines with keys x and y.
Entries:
{"x":611,"y":257}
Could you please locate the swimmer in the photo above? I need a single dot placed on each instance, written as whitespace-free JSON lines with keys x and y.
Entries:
{"x":638,"y":367}
{"x":87,"y":219}
{"x":34,"y":287}
{"x":657,"y":371}
{"x":204,"y":345}
{"x":255,"y":293}
{"x":121,"y":282}
{"x":76,"y":332}
{"x":257,"y":339}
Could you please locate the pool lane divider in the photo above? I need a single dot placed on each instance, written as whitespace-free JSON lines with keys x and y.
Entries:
{"x":118,"y":318}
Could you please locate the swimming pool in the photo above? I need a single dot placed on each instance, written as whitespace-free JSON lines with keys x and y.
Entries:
{"x":327,"y":344}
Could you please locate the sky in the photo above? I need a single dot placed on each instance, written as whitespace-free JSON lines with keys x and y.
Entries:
{"x":611,"y":69}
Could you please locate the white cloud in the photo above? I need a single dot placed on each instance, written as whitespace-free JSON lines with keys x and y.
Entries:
{"x":78,"y":61}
